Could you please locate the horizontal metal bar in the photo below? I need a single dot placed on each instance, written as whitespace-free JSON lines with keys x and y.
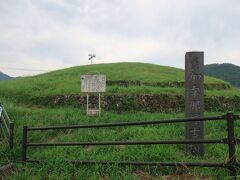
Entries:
{"x":145,"y":163}
{"x":214,"y":141}
{"x":164,"y":121}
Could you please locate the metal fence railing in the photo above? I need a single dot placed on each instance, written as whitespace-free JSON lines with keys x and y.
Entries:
{"x":7,"y":126}
{"x":232,"y":164}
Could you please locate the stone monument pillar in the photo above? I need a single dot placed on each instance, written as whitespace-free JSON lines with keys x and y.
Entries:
{"x":194,"y":100}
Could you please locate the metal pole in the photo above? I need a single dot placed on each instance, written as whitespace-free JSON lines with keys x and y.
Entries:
{"x":231,"y":145}
{"x":87,"y":104}
{"x":136,"y":123}
{"x":1,"y":113}
{"x":198,"y":141}
{"x":139,"y":163}
{"x":11,"y":135}
{"x":99,"y":105}
{"x":24,"y":144}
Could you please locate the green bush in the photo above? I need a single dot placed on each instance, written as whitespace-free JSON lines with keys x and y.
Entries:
{"x":141,"y":102}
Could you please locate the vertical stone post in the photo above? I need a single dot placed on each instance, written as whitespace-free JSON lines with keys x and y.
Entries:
{"x":194,"y":100}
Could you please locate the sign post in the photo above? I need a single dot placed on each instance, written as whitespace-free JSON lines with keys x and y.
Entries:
{"x":92,"y":84}
{"x":194,"y":100}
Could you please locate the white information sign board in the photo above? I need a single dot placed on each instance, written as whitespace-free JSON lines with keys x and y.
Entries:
{"x":93,"y":83}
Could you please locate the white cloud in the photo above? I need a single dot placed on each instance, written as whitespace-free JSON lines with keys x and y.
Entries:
{"x":60,"y":33}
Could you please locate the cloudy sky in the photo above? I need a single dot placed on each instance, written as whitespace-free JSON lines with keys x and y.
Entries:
{"x":53,"y":34}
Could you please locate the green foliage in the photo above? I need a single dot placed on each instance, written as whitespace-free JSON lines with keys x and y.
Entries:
{"x":54,"y":99}
{"x":35,"y":116}
{"x":141,"y":102}
{"x":67,"y":81}
{"x":165,"y":84}
{"x":227,"y":72}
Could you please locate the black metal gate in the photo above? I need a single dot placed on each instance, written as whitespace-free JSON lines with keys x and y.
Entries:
{"x":230,"y":140}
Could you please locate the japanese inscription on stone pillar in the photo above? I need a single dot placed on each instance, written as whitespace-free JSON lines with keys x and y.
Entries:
{"x":194,"y":100}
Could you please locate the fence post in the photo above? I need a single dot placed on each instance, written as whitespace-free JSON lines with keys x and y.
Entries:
{"x":1,"y":113}
{"x":24,"y":144}
{"x":11,"y":135}
{"x":231,"y":145}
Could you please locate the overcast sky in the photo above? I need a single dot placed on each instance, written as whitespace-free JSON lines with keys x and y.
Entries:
{"x":53,"y":34}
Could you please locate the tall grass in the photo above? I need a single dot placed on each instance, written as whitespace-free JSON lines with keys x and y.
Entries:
{"x":34,"y":116}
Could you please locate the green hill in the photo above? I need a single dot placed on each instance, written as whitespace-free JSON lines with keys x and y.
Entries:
{"x":22,"y":99}
{"x":150,"y":88}
{"x":226,"y":71}
{"x":67,"y":81}
{"x":4,"y":76}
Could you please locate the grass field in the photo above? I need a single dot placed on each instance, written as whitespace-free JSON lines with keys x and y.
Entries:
{"x":16,"y":94}
{"x":67,"y":81}
{"x":63,"y":116}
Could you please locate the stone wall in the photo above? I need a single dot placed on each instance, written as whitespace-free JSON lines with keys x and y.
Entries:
{"x":141,"y":102}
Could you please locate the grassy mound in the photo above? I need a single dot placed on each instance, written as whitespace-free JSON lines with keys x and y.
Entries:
{"x":154,"y":79}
